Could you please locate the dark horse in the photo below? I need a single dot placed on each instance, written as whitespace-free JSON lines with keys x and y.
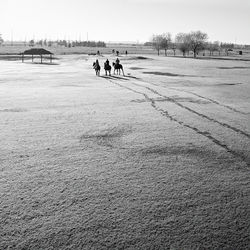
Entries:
{"x":107,"y":68}
{"x":118,"y":68}
{"x":97,"y":68}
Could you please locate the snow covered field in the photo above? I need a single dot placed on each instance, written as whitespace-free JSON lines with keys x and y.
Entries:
{"x":156,"y":159}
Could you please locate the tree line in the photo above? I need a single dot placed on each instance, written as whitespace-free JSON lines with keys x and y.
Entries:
{"x":195,"y":41}
{"x":66,"y":43}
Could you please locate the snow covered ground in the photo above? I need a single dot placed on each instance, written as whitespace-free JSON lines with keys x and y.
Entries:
{"x":156,"y":159}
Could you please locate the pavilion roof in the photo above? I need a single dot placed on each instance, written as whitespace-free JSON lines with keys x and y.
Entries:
{"x":37,"y":51}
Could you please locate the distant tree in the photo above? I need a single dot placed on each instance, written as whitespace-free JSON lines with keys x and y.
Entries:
{"x":157,"y":42}
{"x":212,"y":47}
{"x":31,"y":43}
{"x":166,"y":41}
{"x":62,"y":43}
{"x":75,"y":43}
{"x":40,"y":42}
{"x":196,"y":41}
{"x":101,"y":44}
{"x":182,"y":43}
{"x":1,"y":39}
{"x":173,"y":47}
{"x":208,"y":47}
{"x":219,"y":48}
{"x":50,"y":43}
{"x":227,"y":47}
{"x":216,"y":46}
{"x":148,"y":44}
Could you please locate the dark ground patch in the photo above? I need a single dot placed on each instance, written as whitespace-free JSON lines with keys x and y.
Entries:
{"x":13,"y":110}
{"x":139,"y":58}
{"x":236,"y":67}
{"x":108,"y":137}
{"x":170,"y":150}
{"x":230,"y":84}
{"x":136,"y":68}
{"x":167,"y":74}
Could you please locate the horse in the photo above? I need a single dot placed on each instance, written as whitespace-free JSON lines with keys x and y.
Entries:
{"x":118,"y":67}
{"x":97,"y":68}
{"x":107,"y":68}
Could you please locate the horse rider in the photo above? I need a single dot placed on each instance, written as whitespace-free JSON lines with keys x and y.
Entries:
{"x":97,"y":62}
{"x":117,"y":61}
{"x":107,"y":62}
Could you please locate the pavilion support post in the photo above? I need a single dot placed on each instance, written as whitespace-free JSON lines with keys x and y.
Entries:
{"x":32,"y":57}
{"x":22,"y":57}
{"x":50,"y":58}
{"x":41,"y":58}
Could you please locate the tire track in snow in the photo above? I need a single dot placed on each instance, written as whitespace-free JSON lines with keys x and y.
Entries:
{"x":203,"y":97}
{"x":225,"y":125}
{"x":210,"y":100}
{"x":195,"y":129}
{"x":198,"y":131}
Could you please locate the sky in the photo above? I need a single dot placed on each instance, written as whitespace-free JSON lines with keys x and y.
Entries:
{"x":124,"y":20}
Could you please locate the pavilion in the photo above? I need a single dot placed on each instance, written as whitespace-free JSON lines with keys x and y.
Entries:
{"x":37,"y":52}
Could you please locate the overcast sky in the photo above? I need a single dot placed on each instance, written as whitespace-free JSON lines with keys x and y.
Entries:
{"x":124,"y":20}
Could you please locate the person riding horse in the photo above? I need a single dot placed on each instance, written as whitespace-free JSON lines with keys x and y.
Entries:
{"x":118,"y":67}
{"x":117,"y":61}
{"x":97,"y":67}
{"x":107,"y":67}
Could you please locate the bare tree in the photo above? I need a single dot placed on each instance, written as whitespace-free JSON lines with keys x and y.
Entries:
{"x":219,"y":47}
{"x":208,"y":46}
{"x":157,"y":42}
{"x":40,"y":42}
{"x":182,"y":43}
{"x":197,"y":41}
{"x":166,"y":41}
{"x":216,"y":46}
{"x":31,"y":43}
{"x":173,"y":47}
{"x":227,"y":47}
{"x":194,"y":41}
{"x":212,"y":47}
{"x":1,"y":39}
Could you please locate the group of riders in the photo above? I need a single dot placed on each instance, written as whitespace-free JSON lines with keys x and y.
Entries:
{"x":107,"y":67}
{"x":117,"y":61}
